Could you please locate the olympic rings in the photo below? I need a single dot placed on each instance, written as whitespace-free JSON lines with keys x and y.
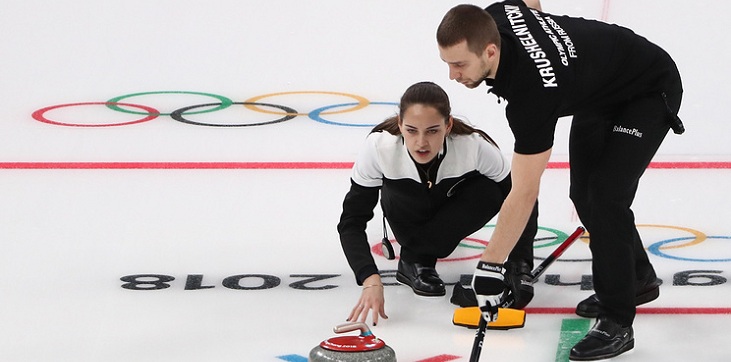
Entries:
{"x":477,"y":256}
{"x":658,"y":248}
{"x":225,"y":102}
{"x":655,"y":249}
{"x":560,"y":236}
{"x":39,"y":115}
{"x":376,"y":249}
{"x":699,"y":236}
{"x":178,"y":115}
{"x":362,"y":102}
{"x":315,"y":114}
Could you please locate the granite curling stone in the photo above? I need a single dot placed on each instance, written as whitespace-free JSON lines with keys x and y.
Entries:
{"x":362,"y":348}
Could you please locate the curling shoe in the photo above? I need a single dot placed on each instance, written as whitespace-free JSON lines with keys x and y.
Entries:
{"x":606,"y":339}
{"x":423,"y":280}
{"x":647,"y":292}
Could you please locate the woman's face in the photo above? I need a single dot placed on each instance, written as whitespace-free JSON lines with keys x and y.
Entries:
{"x":424,"y":130}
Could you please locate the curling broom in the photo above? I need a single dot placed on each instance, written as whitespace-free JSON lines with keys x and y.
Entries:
{"x":471,"y":315}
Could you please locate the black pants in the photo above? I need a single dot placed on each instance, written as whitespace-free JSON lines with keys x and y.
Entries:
{"x":476,"y":202}
{"x":609,"y":151}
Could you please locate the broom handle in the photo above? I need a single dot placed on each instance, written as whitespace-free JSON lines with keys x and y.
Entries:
{"x":479,"y":338}
{"x":537,"y":272}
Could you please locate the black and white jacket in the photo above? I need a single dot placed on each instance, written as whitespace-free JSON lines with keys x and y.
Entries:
{"x":409,"y":194}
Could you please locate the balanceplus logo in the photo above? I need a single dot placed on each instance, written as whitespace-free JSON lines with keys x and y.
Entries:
{"x":632,"y":132}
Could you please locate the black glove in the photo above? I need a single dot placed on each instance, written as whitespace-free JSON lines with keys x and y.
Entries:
{"x":491,"y":292}
{"x":520,"y":281}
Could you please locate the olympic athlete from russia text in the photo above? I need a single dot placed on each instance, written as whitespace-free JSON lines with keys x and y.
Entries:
{"x":624,"y":93}
{"x":440,"y":180}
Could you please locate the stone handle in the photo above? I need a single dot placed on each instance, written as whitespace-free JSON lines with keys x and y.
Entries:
{"x":347,"y":327}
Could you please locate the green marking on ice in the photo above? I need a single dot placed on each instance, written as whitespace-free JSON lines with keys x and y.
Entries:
{"x":572,"y":331}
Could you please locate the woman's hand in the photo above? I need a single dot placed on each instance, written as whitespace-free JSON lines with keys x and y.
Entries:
{"x":371,"y":300}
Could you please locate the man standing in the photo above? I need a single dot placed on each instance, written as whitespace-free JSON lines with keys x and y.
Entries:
{"x":624,"y":93}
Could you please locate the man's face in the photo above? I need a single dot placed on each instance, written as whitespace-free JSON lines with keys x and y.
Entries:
{"x":466,"y":67}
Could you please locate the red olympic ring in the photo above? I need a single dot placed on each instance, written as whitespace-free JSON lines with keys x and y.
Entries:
{"x":39,"y":115}
{"x":376,"y":249}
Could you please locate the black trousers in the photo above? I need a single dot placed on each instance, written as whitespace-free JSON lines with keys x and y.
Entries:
{"x":609,"y":151}
{"x":475,"y":202}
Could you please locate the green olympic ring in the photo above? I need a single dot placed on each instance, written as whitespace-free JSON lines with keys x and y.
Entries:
{"x":225,"y":101}
{"x":560,"y":237}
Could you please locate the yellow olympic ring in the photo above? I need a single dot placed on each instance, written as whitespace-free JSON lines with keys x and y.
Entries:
{"x":362,"y":102}
{"x":699,"y":236}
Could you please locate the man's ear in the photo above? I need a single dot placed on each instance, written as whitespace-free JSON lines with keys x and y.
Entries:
{"x":491,"y":50}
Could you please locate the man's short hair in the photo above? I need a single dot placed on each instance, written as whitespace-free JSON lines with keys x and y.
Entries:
{"x":470,"y":23}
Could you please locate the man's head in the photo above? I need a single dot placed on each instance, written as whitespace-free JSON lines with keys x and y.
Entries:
{"x":469,"y":43}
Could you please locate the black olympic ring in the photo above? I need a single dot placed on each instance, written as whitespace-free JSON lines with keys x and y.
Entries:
{"x":178,"y":114}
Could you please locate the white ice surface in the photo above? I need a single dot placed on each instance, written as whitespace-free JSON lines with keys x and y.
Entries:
{"x":69,"y":235}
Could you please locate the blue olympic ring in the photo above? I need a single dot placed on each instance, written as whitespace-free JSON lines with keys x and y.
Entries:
{"x":655,"y":249}
{"x":315,"y":114}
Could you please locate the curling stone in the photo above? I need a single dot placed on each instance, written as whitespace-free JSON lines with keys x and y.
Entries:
{"x":363,"y":348}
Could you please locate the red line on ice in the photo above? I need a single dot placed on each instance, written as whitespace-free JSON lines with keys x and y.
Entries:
{"x":276,"y":165}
